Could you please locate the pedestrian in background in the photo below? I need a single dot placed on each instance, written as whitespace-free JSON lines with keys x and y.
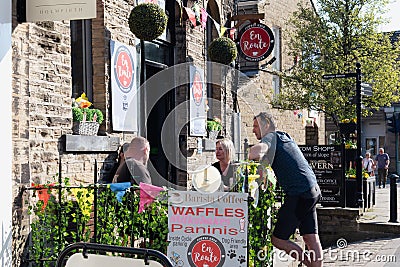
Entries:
{"x":368,"y":164}
{"x":299,"y":183}
{"x":382,"y":161}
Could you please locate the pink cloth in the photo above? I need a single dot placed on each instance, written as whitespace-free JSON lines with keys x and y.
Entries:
{"x":191,"y":15}
{"x":203,"y":17}
{"x":148,"y":193}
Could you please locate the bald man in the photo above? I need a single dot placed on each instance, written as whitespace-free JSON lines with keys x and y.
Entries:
{"x":134,"y":169}
{"x":299,"y":183}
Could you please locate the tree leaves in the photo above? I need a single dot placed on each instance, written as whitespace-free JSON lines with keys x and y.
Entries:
{"x":330,"y":42}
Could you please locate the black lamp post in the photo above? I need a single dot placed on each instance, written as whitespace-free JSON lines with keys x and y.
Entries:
{"x":359,"y":182}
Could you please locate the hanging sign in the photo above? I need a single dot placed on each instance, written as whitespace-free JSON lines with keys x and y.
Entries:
{"x":123,"y":87}
{"x":198,"y":116}
{"x":256,"y":42}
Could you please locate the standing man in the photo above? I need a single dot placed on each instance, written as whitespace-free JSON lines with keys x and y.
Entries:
{"x":299,"y":183}
{"x":134,"y":168}
{"x":382,"y":161}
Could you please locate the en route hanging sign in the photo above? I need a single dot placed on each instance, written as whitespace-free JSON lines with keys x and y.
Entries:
{"x":256,"y":42}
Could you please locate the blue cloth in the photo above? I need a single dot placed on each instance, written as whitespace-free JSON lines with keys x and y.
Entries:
{"x":291,"y":169}
{"x":120,"y":189}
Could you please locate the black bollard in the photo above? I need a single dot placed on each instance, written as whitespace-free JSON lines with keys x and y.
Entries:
{"x":393,"y":198}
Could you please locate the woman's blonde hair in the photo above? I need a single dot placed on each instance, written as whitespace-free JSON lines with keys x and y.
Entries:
{"x":227,"y":146}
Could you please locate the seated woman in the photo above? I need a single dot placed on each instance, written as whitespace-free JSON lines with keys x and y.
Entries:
{"x":224,"y":152}
{"x":120,"y":161}
{"x":134,"y":168}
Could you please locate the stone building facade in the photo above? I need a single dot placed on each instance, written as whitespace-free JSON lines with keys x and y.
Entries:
{"x":44,"y":83}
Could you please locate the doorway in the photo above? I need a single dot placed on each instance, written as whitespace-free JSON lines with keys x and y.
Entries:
{"x":371,"y":145}
{"x":161,"y":171}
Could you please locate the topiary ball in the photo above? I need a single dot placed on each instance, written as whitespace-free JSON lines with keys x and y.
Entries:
{"x":222,"y":50}
{"x":147,"y":21}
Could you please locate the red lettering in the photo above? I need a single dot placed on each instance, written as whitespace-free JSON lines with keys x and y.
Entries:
{"x":176,"y":227}
{"x":239,"y":213}
{"x":199,"y":211}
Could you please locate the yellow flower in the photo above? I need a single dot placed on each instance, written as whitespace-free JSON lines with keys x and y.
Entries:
{"x":253,"y":177}
{"x":83,"y":101}
{"x":82,"y":97}
{"x":353,"y":120}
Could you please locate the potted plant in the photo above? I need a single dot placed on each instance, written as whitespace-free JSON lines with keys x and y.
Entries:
{"x":214,"y":126}
{"x":147,"y":21}
{"x":86,"y":120}
{"x":222,"y":50}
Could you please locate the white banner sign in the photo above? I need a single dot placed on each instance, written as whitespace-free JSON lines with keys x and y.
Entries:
{"x":123,"y":86}
{"x":207,"y":229}
{"x":53,"y":10}
{"x":198,"y":116}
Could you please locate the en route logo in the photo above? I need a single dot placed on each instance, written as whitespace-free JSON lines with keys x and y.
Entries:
{"x":256,"y":42}
{"x":206,"y":251}
{"x":197,"y":88}
{"x":124,"y":69}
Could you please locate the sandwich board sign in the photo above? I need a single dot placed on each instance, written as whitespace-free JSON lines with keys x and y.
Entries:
{"x":207,"y":229}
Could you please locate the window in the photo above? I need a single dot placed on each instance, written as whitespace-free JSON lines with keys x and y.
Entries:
{"x":81,"y":58}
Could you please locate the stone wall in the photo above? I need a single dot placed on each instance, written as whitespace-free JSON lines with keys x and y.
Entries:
{"x":42,"y":107}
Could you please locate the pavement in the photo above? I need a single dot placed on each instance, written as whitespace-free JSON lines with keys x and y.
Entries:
{"x":377,"y":252}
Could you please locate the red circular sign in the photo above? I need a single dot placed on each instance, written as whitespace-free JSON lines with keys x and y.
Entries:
{"x":123,"y":65}
{"x":197,"y":88}
{"x":256,"y":42}
{"x":206,"y":251}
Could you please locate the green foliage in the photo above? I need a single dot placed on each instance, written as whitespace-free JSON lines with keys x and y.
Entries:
{"x":332,"y":41}
{"x":261,"y":216}
{"x":222,"y":50}
{"x":213,"y":125}
{"x":118,"y":223}
{"x":78,"y":114}
{"x":95,"y":115}
{"x":147,"y":21}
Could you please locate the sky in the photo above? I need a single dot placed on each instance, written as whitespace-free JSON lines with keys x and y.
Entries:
{"x":394,"y":16}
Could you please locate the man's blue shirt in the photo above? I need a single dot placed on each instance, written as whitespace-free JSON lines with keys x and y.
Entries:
{"x":292,"y":170}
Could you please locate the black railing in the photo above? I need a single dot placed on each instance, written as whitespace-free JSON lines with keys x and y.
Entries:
{"x":64,"y":215}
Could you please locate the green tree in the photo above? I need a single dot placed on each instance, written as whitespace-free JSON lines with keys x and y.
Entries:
{"x":331,"y":40}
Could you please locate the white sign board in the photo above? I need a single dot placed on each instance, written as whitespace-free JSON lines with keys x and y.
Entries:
{"x":207,"y":229}
{"x":53,"y":10}
{"x":123,"y":87}
{"x":198,"y":116}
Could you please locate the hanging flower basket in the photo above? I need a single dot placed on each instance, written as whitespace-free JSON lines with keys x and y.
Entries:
{"x":347,"y":128}
{"x":147,"y":21}
{"x":222,"y":50}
